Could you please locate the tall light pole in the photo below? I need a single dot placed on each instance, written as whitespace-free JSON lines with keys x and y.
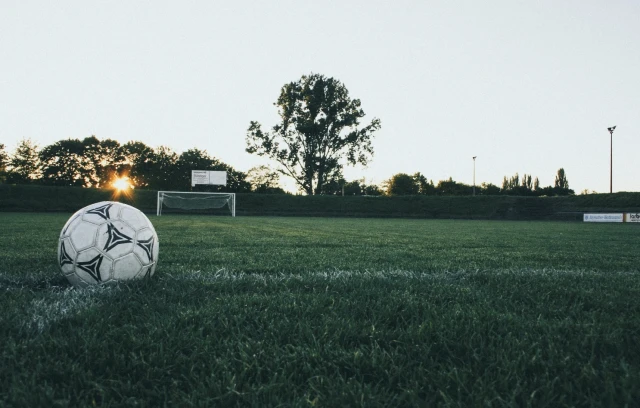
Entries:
{"x":474,"y":175}
{"x":611,"y":129}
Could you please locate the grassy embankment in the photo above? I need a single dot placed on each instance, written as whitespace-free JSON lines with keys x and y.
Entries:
{"x":69,"y":199}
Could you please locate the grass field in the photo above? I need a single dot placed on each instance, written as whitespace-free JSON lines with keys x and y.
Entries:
{"x":329,"y":312}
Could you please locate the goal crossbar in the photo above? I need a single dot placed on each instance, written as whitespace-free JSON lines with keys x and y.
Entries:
{"x":189,"y":200}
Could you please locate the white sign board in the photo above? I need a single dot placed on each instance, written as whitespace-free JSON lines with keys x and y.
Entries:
{"x":208,"y":177}
{"x":604,"y":217}
{"x":632,"y":217}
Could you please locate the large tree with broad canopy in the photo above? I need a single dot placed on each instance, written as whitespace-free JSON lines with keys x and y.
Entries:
{"x":318,"y":132}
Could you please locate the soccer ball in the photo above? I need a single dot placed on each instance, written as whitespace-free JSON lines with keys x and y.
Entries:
{"x":107,"y":242}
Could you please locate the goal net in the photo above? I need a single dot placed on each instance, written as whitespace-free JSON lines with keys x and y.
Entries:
{"x":196,"y":202}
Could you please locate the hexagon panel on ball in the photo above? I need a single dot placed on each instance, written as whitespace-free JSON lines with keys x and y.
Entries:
{"x":107,"y":242}
{"x":126,"y":268}
{"x":68,"y":227}
{"x":83,"y":235}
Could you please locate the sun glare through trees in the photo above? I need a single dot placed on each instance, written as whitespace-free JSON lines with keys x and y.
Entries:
{"x":122,"y":184}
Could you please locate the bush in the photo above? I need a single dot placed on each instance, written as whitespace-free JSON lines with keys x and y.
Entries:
{"x":70,"y":199}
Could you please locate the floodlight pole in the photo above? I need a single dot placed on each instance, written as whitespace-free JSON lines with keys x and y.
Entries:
{"x":474,"y":175}
{"x":611,"y":129}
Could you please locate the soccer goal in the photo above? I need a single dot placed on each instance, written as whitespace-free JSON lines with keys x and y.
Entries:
{"x":196,"y":201}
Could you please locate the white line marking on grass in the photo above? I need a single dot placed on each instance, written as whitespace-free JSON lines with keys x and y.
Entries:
{"x":58,"y":305}
{"x":342,"y":275}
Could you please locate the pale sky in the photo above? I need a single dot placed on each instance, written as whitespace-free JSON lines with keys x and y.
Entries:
{"x":527,"y":86}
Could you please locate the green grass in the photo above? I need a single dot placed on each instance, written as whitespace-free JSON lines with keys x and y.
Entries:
{"x":259,"y":311}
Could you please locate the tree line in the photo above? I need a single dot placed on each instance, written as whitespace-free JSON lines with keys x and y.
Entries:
{"x":319,"y":133}
{"x":97,"y":163}
{"x":418,"y":184}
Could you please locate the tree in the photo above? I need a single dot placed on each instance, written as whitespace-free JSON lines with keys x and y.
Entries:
{"x":340,"y":186}
{"x":264,"y":180}
{"x":517,"y":186}
{"x":333,"y":183}
{"x":451,"y":187}
{"x":401,"y":184}
{"x":527,"y":182}
{"x":425,"y":187}
{"x":561,"y":185}
{"x":4,"y":160}
{"x":62,"y":164}
{"x":105,"y":161}
{"x":319,"y":130}
{"x":510,"y":184}
{"x":351,"y":188}
{"x":372,"y":190}
{"x":138,"y":163}
{"x":24,"y":164}
{"x":86,"y":163}
{"x":561,"y":180}
{"x":489,"y":189}
{"x":162,"y":166}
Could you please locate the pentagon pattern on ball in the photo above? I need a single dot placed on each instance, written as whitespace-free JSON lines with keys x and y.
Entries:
{"x":100,"y":213}
{"x":115,"y":239}
{"x":93,"y":267}
{"x":66,"y":256}
{"x":145,"y":245}
{"x":107,"y":242}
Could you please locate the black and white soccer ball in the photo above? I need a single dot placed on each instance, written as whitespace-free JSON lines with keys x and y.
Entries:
{"x":107,"y":242}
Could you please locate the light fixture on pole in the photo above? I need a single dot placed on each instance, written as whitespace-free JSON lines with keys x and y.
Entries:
{"x":474,"y":175}
{"x":611,"y":129}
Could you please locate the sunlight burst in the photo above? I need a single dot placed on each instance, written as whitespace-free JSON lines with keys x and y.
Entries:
{"x":122,"y":184}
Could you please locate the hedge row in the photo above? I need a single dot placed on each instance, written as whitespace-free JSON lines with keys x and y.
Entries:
{"x":69,"y":199}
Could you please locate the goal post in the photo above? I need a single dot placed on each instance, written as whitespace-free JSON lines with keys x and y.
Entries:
{"x":194,"y":201}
